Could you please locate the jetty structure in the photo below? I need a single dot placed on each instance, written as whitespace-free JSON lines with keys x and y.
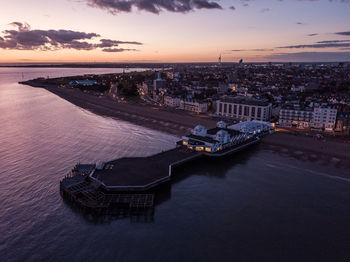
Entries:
{"x":129,"y":183}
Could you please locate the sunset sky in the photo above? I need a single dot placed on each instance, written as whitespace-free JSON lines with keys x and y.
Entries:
{"x":174,"y":31}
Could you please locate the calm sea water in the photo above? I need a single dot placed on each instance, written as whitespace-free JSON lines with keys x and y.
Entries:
{"x":260,"y":205}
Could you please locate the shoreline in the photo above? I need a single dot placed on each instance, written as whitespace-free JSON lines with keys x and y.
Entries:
{"x":180,"y":123}
{"x":170,"y":121}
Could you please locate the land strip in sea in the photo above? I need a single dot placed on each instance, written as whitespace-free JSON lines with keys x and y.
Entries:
{"x":179,"y":123}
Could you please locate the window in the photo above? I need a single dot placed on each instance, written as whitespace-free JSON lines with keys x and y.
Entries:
{"x":225,"y":108}
{"x":230,"y":109}
{"x":253,"y":111}
{"x":246,"y":110}
{"x":220,"y":107}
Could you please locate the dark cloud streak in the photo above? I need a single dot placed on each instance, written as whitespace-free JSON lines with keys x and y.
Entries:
{"x":333,"y":41}
{"x":318,"y":45}
{"x":343,"y":33}
{"x":256,"y":50}
{"x":310,"y":56}
{"x":24,"y":38}
{"x":153,"y":6}
{"x":116,"y":50}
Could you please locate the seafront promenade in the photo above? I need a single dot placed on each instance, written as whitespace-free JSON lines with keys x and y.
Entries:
{"x":180,"y":123}
{"x":170,"y":121}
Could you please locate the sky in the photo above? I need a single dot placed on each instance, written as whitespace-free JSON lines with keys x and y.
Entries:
{"x":174,"y":30}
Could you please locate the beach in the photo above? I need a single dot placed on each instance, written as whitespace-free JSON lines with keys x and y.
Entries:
{"x":180,"y":123}
{"x":170,"y":121}
{"x":332,"y":149}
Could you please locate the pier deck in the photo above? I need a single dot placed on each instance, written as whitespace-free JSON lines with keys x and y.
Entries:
{"x":141,"y":173}
{"x":123,"y":186}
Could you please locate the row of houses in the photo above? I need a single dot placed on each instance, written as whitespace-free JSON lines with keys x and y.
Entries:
{"x":318,"y":118}
{"x":250,"y":109}
{"x":242,"y":108}
{"x":186,"y":104}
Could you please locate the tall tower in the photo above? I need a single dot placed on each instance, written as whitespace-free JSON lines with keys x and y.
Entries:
{"x":219,"y":60}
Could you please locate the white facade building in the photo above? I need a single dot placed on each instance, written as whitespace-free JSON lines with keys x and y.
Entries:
{"x":172,"y":101}
{"x":320,"y":118}
{"x":222,"y":137}
{"x":294,"y":117}
{"x":244,"y":108}
{"x":194,"y":106}
{"x":324,"y":118}
{"x":213,"y":140}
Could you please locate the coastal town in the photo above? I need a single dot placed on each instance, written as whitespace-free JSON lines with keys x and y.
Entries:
{"x":175,"y":130}
{"x":298,"y":97}
{"x":215,"y":110}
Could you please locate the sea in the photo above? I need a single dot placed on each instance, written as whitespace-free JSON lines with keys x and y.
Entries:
{"x":261,"y":204}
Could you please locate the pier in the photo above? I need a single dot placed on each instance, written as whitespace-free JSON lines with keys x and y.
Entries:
{"x":128,"y":183}
{"x":141,"y":173}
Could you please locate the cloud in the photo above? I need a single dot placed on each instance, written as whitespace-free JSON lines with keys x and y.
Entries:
{"x":24,"y":38}
{"x":310,"y":57}
{"x":312,"y":34}
{"x":21,"y":26}
{"x":245,"y":3}
{"x":175,"y":6}
{"x":321,"y":44}
{"x":256,"y":50}
{"x":153,"y":6}
{"x":264,"y":10}
{"x":333,"y":41}
{"x":343,"y":33}
{"x":116,"y":50}
{"x":110,"y":43}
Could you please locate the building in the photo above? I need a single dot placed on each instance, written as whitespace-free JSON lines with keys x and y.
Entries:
{"x":194,"y":106}
{"x":289,"y":117}
{"x":222,"y":137}
{"x":171,"y":101}
{"x":318,"y":118}
{"x":213,"y":140}
{"x":343,"y":122}
{"x":159,"y":83}
{"x":254,"y":127}
{"x":244,"y":108}
{"x":324,"y":118}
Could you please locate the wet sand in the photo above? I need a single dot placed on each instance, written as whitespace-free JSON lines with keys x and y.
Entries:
{"x":335,"y":149}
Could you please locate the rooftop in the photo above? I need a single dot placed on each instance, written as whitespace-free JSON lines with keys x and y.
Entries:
{"x":245,"y":101}
{"x":213,"y":131}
